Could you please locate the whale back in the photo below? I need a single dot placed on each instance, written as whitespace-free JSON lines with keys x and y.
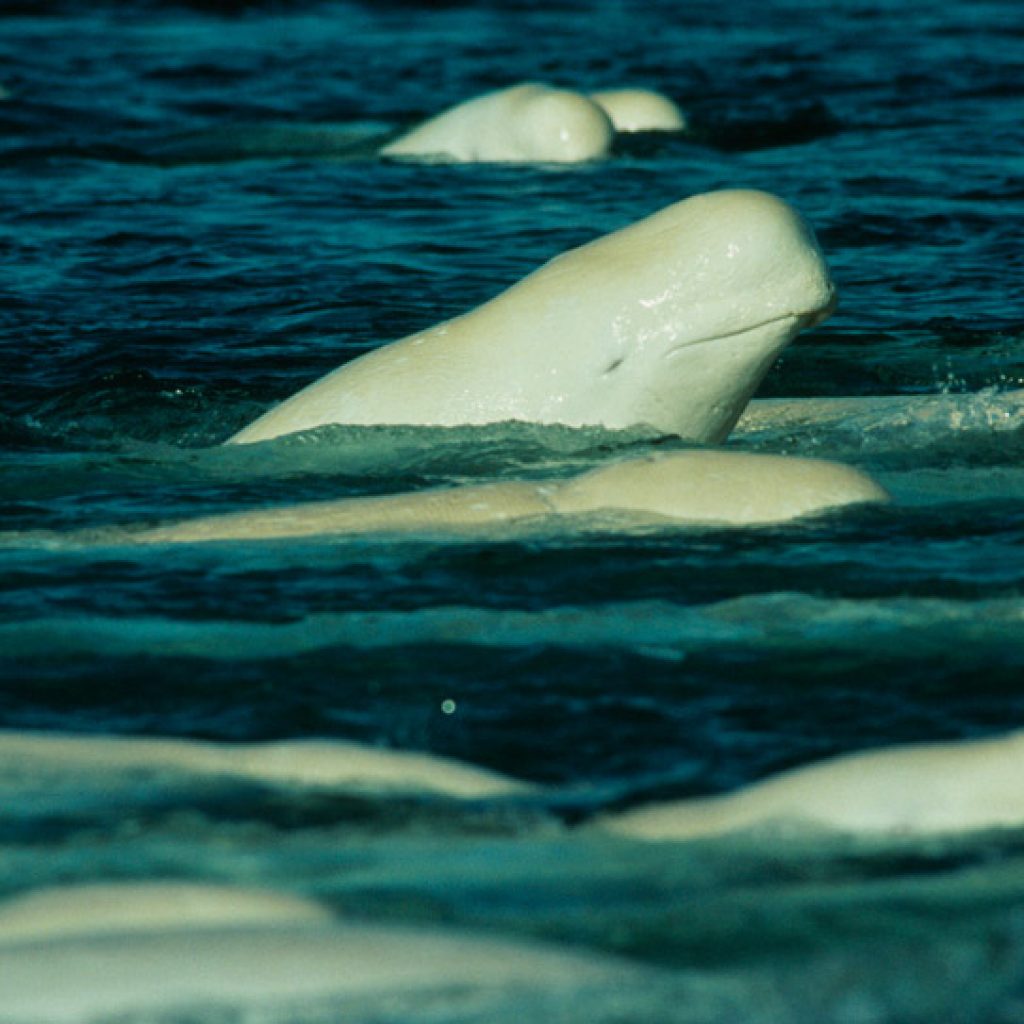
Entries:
{"x":718,"y":487}
{"x":724,"y":488}
{"x":527,"y":123}
{"x":640,"y":110}
{"x":124,"y":907}
{"x":927,"y":788}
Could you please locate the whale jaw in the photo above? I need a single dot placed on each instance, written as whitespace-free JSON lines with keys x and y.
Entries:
{"x":711,"y":410}
{"x":716,"y":376}
{"x":769,"y":282}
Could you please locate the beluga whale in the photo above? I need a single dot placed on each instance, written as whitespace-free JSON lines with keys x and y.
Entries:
{"x":526,"y":123}
{"x":640,"y":110}
{"x":171,"y":951}
{"x":904,"y":790}
{"x":670,"y":323}
{"x":696,"y":488}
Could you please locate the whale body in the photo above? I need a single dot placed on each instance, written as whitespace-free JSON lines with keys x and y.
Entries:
{"x":527,"y":123}
{"x":671,"y":322}
{"x":723,"y":488}
{"x":913,"y":789}
{"x":307,"y":764}
{"x":118,"y":907}
{"x":640,"y":110}
{"x":904,"y":790}
{"x":114,"y":963}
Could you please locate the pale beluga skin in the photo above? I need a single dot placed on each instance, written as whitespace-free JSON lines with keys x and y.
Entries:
{"x":915,"y":789}
{"x":723,"y":488}
{"x":671,"y":323}
{"x":527,"y":123}
{"x":259,"y":956}
{"x":640,"y":110}
{"x":305,"y":764}
{"x":107,"y":907}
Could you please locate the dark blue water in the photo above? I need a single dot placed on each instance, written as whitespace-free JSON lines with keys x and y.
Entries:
{"x":194,"y":227}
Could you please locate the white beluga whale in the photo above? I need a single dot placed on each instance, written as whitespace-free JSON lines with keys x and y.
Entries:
{"x":526,"y":123}
{"x":99,"y":953}
{"x":722,"y":488}
{"x":640,"y":110}
{"x":107,"y":907}
{"x":912,"y":789}
{"x":671,"y":322}
{"x":303,"y":764}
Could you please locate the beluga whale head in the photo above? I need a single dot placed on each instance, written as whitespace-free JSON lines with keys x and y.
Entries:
{"x":669,"y":323}
{"x":688,"y":310}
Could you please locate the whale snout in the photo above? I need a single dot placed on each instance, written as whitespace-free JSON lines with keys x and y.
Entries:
{"x":739,"y":274}
{"x":823,"y":312}
{"x":758,"y":264}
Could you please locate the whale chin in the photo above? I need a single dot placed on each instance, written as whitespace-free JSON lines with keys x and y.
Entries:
{"x":709,"y":412}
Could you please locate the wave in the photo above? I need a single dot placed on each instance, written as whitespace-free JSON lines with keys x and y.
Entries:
{"x":894,"y":432}
{"x":780,"y":624}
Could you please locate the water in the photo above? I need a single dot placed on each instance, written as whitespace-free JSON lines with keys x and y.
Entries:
{"x":193,"y":229}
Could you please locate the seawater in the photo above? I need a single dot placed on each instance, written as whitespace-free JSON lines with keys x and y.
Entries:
{"x":193,"y":227}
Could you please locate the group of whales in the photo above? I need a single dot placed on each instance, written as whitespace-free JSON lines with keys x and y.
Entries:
{"x":172,"y":950}
{"x":916,"y":789}
{"x":526,"y":123}
{"x":102,"y":951}
{"x":94,"y":952}
{"x":670,"y":323}
{"x":536,"y":123}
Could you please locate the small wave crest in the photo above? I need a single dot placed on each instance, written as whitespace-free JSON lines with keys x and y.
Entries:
{"x":986,"y":428}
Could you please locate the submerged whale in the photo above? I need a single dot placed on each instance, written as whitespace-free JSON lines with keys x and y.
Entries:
{"x":723,"y":488}
{"x":905,"y":790}
{"x":142,"y":953}
{"x":306,"y":764}
{"x":671,"y":322}
{"x":640,"y":110}
{"x":527,"y":123}
{"x":108,"y":907}
{"x":914,"y":789}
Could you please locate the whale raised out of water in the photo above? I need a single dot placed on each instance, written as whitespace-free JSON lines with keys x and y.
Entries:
{"x":671,"y":322}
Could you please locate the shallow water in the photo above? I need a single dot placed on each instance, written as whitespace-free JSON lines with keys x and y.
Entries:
{"x":193,"y":229}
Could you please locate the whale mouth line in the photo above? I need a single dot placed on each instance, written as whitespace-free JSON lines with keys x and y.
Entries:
{"x":710,"y":339}
{"x":808,"y":318}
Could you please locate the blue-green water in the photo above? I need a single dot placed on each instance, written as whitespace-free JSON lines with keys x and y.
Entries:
{"x":190,"y":231}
